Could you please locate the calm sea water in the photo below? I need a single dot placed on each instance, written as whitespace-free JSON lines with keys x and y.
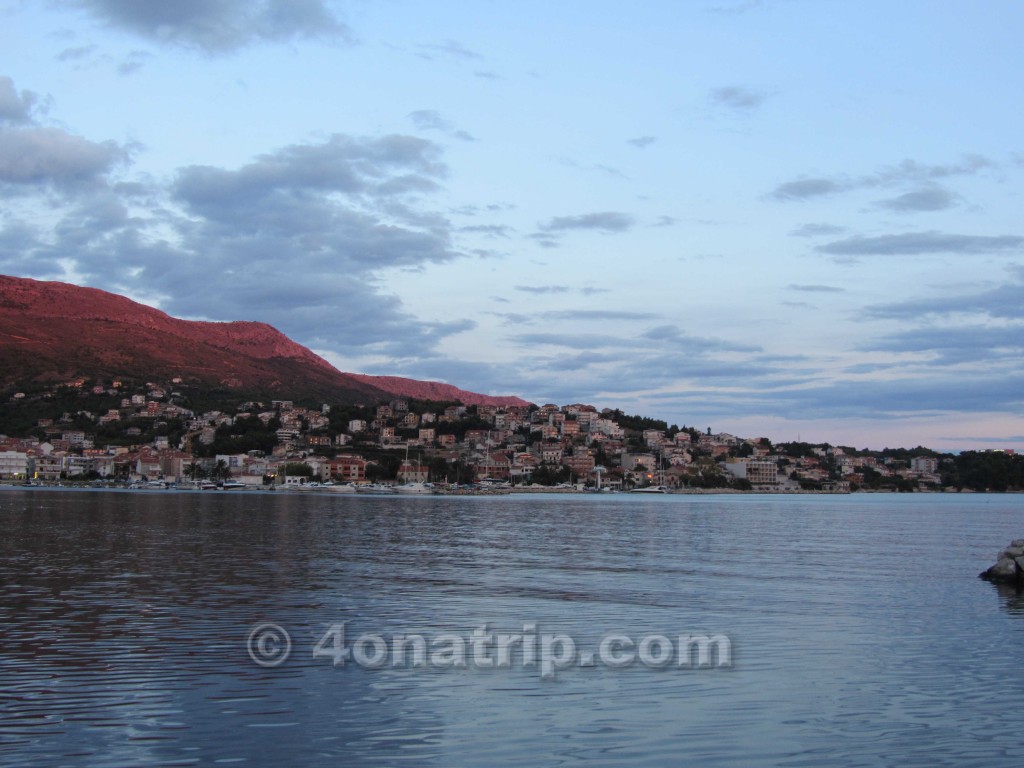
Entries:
{"x":861,"y":634}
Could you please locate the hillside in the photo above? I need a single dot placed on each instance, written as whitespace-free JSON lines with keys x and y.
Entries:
{"x":434,"y":390}
{"x":52,"y":332}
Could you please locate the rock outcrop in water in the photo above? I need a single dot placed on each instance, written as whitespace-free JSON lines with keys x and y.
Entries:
{"x":1009,"y":567}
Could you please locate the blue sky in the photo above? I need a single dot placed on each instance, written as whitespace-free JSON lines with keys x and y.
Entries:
{"x":782,"y":219}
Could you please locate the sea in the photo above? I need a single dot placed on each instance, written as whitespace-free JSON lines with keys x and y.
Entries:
{"x":148,"y":628}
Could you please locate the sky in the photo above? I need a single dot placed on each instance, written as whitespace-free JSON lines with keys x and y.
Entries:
{"x":793,"y":219}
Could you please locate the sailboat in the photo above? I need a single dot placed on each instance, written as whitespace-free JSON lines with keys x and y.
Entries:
{"x":412,"y":487}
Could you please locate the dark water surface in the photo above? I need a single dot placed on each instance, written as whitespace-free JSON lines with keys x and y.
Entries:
{"x":860,"y":633}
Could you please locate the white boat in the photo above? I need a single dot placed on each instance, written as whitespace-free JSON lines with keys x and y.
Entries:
{"x":650,"y":489}
{"x":339,"y":487}
{"x":375,"y":488}
{"x":415,"y":488}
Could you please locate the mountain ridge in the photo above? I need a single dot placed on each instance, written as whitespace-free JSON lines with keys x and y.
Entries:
{"x":52,"y":331}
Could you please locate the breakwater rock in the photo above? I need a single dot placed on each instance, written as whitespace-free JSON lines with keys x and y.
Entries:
{"x":1009,"y":567}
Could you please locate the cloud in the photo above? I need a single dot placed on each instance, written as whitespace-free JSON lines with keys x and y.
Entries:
{"x":597,"y":314}
{"x":431,"y":120}
{"x":676,"y":337}
{"x":491,"y":230}
{"x":956,"y":345}
{"x":607,"y":221}
{"x":219,"y":26}
{"x":642,"y":142}
{"x":737,"y":97}
{"x":917,"y":243}
{"x":572,"y":340}
{"x":815,"y":288}
{"x":50,"y":156}
{"x":803,"y":189}
{"x":933,"y":198}
{"x":817,"y":230}
{"x":906,"y":172}
{"x":1004,"y":302}
{"x":539,"y":289}
{"x":15,"y":107}
{"x":133,"y":62}
{"x":895,"y":397}
{"x":365,"y":169}
{"x":300,"y":236}
{"x":77,"y":53}
{"x":450,"y":49}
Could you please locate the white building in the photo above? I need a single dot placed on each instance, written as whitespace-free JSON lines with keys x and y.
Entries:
{"x":13,"y":465}
{"x":924,"y":464}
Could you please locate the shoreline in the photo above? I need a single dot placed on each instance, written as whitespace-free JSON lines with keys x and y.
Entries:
{"x":487,"y":492}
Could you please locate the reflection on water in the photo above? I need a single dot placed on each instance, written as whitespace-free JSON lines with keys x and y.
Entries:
{"x":861,"y":634}
{"x":1012,"y":597}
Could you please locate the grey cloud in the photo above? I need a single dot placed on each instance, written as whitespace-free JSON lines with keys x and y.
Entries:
{"x":933,"y":198}
{"x":451,"y":49}
{"x":571,"y":340}
{"x":869,"y":368}
{"x":916,"y":243}
{"x":803,"y":189}
{"x":642,"y":142}
{"x":816,"y":288}
{"x":40,"y":156}
{"x":986,"y":439}
{"x":907,"y":172}
{"x":858,"y":398}
{"x":545,"y":241}
{"x":133,"y":62}
{"x":300,"y":234}
{"x":15,"y":106}
{"x":358,"y":167}
{"x":817,"y":230}
{"x":913,"y":171}
{"x":671,"y":334}
{"x":607,"y":221}
{"x":899,"y":397}
{"x":219,"y":26}
{"x":515,"y":318}
{"x":657,"y":343}
{"x":597,"y":314}
{"x":77,"y":53}
{"x":737,"y":97}
{"x":492,"y":230}
{"x":1005,"y":301}
{"x":431,"y":120}
{"x":952,"y":346}
{"x":542,"y":288}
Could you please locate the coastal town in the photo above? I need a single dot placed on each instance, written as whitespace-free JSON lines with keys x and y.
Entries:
{"x":152,"y":434}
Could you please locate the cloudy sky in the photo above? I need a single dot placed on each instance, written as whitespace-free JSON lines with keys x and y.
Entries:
{"x":792,"y":219}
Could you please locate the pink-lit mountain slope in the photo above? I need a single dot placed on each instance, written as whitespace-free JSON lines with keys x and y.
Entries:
{"x":53,"y":332}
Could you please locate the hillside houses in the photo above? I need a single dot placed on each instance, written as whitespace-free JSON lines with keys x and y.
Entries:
{"x":152,"y":434}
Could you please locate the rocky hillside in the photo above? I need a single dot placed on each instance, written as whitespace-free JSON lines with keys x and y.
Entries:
{"x":52,"y":332}
{"x":434,"y":390}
